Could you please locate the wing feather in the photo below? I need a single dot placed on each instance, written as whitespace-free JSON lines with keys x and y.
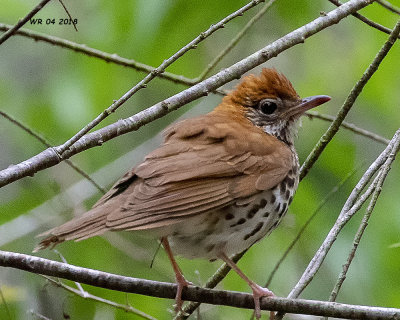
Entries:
{"x":204,"y":164}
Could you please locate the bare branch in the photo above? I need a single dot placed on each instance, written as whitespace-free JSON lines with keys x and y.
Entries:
{"x":351,"y":98}
{"x":22,"y":21}
{"x":378,"y":183}
{"x":349,"y":126}
{"x":235,"y":40}
{"x":88,"y":296}
{"x":49,"y":157}
{"x":191,"y":293}
{"x":389,"y":6}
{"x":43,"y":141}
{"x":69,"y":15}
{"x":91,"y":52}
{"x":366,"y":20}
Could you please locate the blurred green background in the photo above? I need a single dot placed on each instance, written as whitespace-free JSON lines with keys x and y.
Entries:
{"x":57,"y":91}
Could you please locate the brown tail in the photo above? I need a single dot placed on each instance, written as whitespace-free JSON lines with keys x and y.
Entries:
{"x":90,"y":224}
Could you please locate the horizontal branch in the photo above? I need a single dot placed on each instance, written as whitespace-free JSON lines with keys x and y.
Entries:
{"x":50,"y":157}
{"x":92,"y":52}
{"x":192,"y":293}
{"x":348,"y":126}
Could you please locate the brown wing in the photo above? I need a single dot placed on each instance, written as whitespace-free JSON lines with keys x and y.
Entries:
{"x":205,"y":164}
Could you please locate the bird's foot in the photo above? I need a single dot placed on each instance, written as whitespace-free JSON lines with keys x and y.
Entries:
{"x":181,"y":282}
{"x":258,"y":293}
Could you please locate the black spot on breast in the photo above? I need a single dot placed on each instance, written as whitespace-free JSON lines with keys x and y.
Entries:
{"x":263,"y":203}
{"x":240,"y":221}
{"x":290,"y":182}
{"x":252,"y":212}
{"x":287,"y":194}
{"x":283,"y":186}
{"x":273,"y":198}
{"x":255,"y":230}
{"x":290,"y":200}
{"x":266,"y":214}
{"x":229,"y":216}
{"x":278,"y":207}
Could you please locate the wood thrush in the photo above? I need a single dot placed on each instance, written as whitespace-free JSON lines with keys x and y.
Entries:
{"x":219,"y":183}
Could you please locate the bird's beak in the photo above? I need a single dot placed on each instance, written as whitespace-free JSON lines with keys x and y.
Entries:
{"x":307,"y":104}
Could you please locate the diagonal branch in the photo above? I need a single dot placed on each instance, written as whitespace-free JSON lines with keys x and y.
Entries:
{"x":88,"y":296}
{"x":389,"y":6}
{"x":191,"y":293}
{"x":50,"y":157}
{"x":22,"y":21}
{"x":348,"y":104}
{"x":378,"y":183}
{"x":366,"y":20}
{"x":92,"y":52}
{"x":43,"y":141}
{"x":235,"y":40}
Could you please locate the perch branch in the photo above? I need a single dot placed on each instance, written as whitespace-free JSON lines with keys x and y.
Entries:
{"x":191,"y":293}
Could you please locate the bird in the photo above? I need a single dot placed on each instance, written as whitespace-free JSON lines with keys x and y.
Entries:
{"x":218,"y":183}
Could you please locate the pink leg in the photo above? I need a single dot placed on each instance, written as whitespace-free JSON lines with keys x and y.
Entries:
{"x":258,"y":291}
{"x":180,"y":279}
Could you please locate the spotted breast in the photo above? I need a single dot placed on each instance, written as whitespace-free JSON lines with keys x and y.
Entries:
{"x":237,"y":227}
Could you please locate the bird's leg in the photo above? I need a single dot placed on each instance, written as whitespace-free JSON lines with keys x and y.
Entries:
{"x":180,"y":279}
{"x":258,"y":291}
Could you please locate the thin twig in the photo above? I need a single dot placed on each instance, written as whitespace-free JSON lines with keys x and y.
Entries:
{"x":350,"y":100}
{"x":389,"y":6}
{"x":366,"y":20}
{"x":69,"y":15}
{"x":43,"y":141}
{"x":191,"y":293}
{"x":350,"y":126}
{"x":91,"y":52}
{"x":235,"y":40}
{"x":48,"y":158}
{"x":160,"y":69}
{"x":88,"y":296}
{"x":380,"y":179}
{"x":22,"y":21}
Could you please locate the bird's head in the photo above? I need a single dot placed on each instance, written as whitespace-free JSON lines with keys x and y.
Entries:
{"x":270,"y":102}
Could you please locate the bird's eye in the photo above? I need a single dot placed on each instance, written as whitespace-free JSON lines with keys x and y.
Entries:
{"x":267,"y":106}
